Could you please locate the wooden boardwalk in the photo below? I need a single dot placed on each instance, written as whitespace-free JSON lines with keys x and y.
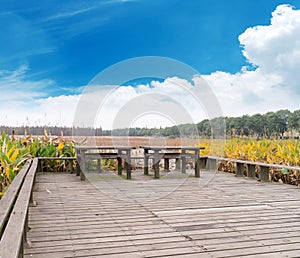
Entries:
{"x":225,"y":216}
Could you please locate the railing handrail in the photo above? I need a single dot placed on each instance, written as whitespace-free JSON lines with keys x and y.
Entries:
{"x":255,"y":163}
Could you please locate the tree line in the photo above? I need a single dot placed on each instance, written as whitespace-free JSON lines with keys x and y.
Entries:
{"x":282,"y":123}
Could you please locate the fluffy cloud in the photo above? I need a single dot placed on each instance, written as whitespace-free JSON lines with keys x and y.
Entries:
{"x":171,"y":102}
{"x":276,"y":48}
{"x":26,"y":102}
{"x":272,"y":82}
{"x":54,"y":111}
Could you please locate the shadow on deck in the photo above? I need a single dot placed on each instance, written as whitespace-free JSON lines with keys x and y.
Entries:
{"x":214,"y":216}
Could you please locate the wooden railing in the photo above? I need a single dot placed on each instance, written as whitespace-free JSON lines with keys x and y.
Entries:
{"x":247,"y":168}
{"x":14,"y":209}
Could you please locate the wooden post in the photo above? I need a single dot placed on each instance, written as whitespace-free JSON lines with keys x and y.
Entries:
{"x":83,"y":167}
{"x":211,"y":163}
{"x":146,"y":161}
{"x":77,"y":167}
{"x":202,"y":162}
{"x":119,"y":159}
{"x":183,"y":160}
{"x":166,"y":164}
{"x":156,"y":164}
{"x":197,"y":164}
{"x":177,"y":164}
{"x":40,"y":167}
{"x":239,"y":169}
{"x":99,"y":164}
{"x":264,"y":173}
{"x":127,"y":162}
{"x":128,"y":168}
{"x":251,"y":170}
{"x":82,"y":175}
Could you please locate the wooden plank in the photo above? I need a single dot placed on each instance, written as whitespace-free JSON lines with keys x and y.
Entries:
{"x":57,"y":158}
{"x":11,"y":242}
{"x":218,"y":219}
{"x":10,"y":196}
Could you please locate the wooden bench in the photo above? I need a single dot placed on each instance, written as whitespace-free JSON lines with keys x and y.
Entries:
{"x":86,"y":153}
{"x":13,"y":211}
{"x":180,"y":153}
{"x":264,"y":168}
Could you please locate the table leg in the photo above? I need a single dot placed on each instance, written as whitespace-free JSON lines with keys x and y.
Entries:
{"x":77,"y":166}
{"x":83,"y":167}
{"x":119,"y":166}
{"x":166,"y":164}
{"x":78,"y":163}
{"x":183,"y":158}
{"x":128,"y":165}
{"x":99,"y":164}
{"x":156,"y":164}
{"x":197,"y":164}
{"x":146,"y":162}
{"x":177,"y":164}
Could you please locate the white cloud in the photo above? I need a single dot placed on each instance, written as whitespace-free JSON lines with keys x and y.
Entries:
{"x":26,"y":102}
{"x":275,"y":82}
{"x":16,"y":89}
{"x":171,"y":102}
{"x":59,"y":110}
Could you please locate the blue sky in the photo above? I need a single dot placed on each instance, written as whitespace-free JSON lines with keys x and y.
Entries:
{"x":53,"y":48}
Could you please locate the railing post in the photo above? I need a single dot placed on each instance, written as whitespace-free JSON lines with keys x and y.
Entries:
{"x":202,"y":162}
{"x":40,"y":166}
{"x":211,"y":163}
{"x":264,"y":173}
{"x":251,"y":170}
{"x":239,"y":169}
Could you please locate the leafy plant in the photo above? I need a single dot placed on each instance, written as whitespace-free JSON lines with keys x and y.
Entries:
{"x":14,"y":153}
{"x":284,"y":152}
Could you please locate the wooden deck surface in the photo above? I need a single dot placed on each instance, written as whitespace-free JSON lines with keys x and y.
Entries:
{"x":225,"y":216}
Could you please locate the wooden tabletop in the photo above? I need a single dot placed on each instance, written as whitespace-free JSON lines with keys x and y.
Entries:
{"x":172,"y":148}
{"x":110,"y":147}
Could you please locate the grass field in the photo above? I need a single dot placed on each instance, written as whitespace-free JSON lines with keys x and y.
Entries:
{"x":14,"y":152}
{"x":285,"y":152}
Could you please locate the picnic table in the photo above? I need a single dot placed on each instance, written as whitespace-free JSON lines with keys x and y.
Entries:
{"x":84,"y":153}
{"x":179,"y":153}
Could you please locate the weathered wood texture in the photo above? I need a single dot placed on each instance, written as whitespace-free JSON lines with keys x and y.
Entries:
{"x":8,"y":200}
{"x":218,"y":215}
{"x":14,"y":235}
{"x":211,"y":163}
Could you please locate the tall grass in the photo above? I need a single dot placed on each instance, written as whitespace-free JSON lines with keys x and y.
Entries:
{"x":14,"y":153}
